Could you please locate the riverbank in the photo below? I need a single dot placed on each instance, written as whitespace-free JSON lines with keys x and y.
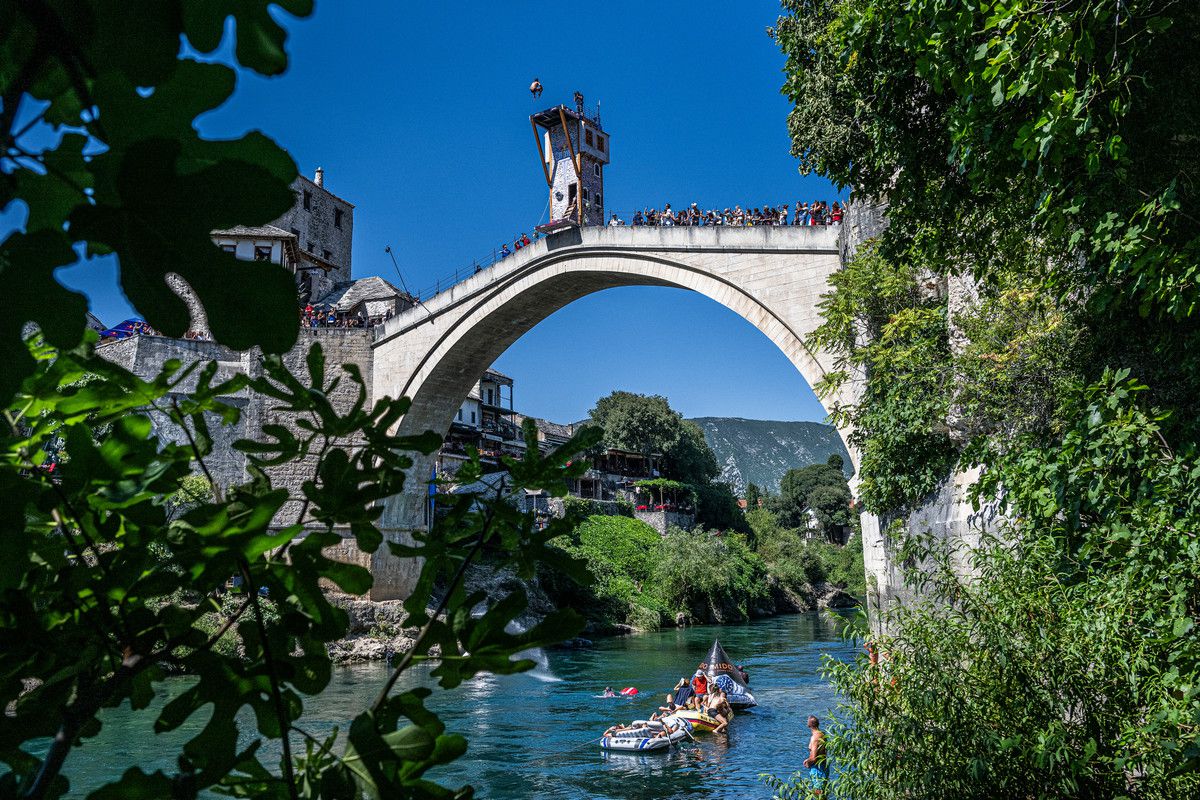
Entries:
{"x":378,"y":630}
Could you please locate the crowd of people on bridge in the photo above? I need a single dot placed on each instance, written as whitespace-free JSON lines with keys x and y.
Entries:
{"x":329,"y":317}
{"x":818,"y":212}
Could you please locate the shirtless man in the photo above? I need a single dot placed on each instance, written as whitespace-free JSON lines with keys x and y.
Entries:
{"x":818,"y":768}
{"x":718,"y":708}
{"x":535,"y":88}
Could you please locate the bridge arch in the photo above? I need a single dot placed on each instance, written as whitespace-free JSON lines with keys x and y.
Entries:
{"x":772,"y":277}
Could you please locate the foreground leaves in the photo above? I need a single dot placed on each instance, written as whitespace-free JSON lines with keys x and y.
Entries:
{"x":97,"y":141}
{"x":117,"y":574}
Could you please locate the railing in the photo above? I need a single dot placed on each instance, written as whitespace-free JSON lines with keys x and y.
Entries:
{"x":497,"y":255}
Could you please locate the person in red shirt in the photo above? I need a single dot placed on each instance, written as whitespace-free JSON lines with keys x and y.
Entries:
{"x":699,"y":688}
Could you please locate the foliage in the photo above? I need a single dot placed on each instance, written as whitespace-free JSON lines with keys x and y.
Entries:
{"x":709,"y":577}
{"x":660,"y":485}
{"x":753,"y":496}
{"x":1073,"y":105}
{"x":95,"y":573}
{"x":877,"y":321}
{"x":1072,"y":662}
{"x":580,"y":507}
{"x":690,"y":458}
{"x":798,"y":562}
{"x":193,"y":490}
{"x":97,"y":140}
{"x":620,"y":554}
{"x":628,"y":545}
{"x":820,"y":488}
{"x":1035,"y":166}
{"x":1014,"y":138}
{"x":638,"y":423}
{"x":647,"y":424}
{"x":717,"y":508}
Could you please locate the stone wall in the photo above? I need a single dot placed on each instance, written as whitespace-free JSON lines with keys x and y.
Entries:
{"x":662,"y":520}
{"x":341,"y":346}
{"x":145,"y":356}
{"x":316,"y":226}
{"x":946,"y":515}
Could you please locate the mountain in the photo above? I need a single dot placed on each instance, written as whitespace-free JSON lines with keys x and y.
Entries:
{"x":760,"y":451}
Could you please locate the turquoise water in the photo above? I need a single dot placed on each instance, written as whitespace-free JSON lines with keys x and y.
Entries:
{"x":532,"y":735}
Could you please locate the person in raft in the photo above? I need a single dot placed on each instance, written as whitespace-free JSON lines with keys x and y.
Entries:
{"x":818,"y":768}
{"x":699,"y":690}
{"x":718,"y":708}
{"x":608,"y":692}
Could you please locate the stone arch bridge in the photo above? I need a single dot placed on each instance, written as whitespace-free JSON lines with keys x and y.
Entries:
{"x":434,"y":353}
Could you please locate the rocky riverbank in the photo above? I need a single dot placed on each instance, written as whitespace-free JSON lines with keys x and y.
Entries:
{"x":379,"y":630}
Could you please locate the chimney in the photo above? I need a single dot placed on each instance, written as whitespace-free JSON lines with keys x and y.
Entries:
{"x":319,"y":178}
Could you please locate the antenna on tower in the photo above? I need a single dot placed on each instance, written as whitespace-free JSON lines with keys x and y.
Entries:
{"x":403,"y":285}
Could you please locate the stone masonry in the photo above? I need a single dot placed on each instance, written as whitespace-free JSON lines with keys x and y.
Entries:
{"x":772,"y":276}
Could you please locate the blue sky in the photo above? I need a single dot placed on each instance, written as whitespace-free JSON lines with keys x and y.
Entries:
{"x":419,"y":116}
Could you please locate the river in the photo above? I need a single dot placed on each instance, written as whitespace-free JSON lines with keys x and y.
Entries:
{"x":532,"y":735}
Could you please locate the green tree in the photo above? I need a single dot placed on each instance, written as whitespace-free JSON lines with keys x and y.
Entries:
{"x":638,"y":423}
{"x":753,"y":496}
{"x":796,"y":496}
{"x":709,"y":577}
{"x":1033,"y":161}
{"x":831,"y":504}
{"x":1071,"y":661}
{"x":105,"y":591}
{"x":689,"y":458}
{"x":621,"y":555}
{"x":717,"y":508}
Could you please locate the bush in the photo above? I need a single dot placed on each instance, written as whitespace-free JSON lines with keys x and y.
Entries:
{"x":1070,"y":660}
{"x":582,"y":507}
{"x":626,"y":546}
{"x":621,"y":554}
{"x":710,"y":577}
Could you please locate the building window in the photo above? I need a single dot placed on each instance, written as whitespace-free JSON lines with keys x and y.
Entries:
{"x":262,"y":252}
{"x":337,"y":218}
{"x":229,"y":248}
{"x":572,"y":191}
{"x":472,"y":417}
{"x":460,"y":415}
{"x":596,"y":170}
{"x":489,"y":398}
{"x":587,"y":137}
{"x":307,"y":200}
{"x":600,"y":143}
{"x":325,"y":254}
{"x":586,"y":196}
{"x":598,"y":203}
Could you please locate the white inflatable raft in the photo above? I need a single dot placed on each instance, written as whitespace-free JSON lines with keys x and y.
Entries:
{"x":642,"y":738}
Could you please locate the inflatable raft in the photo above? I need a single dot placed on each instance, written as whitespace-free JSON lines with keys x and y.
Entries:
{"x":645,"y":738}
{"x":697,"y":721}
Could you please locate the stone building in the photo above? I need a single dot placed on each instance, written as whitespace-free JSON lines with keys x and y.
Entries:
{"x":323,"y":225}
{"x":574,"y":149}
